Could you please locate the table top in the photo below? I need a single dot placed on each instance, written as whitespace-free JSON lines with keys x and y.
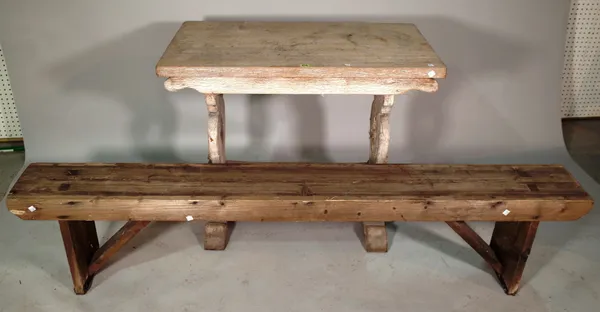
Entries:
{"x":300,"y":49}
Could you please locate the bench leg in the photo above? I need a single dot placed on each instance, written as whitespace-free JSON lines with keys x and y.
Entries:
{"x":375,"y":236}
{"x":379,"y":135}
{"x":215,"y":233}
{"x":81,"y":242}
{"x":511,"y":241}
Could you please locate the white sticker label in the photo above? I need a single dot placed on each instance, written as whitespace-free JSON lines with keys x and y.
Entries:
{"x":189,"y":218}
{"x":430,"y":65}
{"x":31,"y":208}
{"x":506,"y":212}
{"x":431,"y":73}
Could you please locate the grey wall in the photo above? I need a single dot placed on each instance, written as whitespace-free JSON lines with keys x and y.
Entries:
{"x":83,"y":77}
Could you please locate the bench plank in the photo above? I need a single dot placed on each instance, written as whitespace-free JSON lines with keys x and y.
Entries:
{"x":297,"y":192}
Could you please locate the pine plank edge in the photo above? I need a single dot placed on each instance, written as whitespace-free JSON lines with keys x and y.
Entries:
{"x":283,"y":85}
{"x":312,"y":73}
{"x":177,"y":208}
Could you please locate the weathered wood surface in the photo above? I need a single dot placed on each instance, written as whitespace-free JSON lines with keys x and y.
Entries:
{"x":285,"y":85}
{"x":81,"y":242}
{"x":215,"y":235}
{"x":278,"y":192}
{"x":376,"y":239}
{"x":299,"y":49}
{"x":216,"y":128}
{"x":379,"y":132}
{"x":512,"y":242}
{"x":114,"y":244}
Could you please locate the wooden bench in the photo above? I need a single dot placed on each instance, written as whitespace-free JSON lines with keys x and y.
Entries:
{"x":516,"y":197}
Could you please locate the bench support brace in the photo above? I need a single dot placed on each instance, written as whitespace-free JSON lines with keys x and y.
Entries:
{"x":508,"y":251}
{"x":85,"y":256}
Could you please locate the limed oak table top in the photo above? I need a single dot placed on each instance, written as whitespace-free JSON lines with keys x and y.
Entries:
{"x":300,"y":50}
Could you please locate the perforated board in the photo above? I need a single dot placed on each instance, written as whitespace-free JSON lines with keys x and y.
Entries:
{"x":581,"y":72}
{"x":9,"y":120}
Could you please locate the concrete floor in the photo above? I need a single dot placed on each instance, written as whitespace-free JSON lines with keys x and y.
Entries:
{"x":298,"y":267}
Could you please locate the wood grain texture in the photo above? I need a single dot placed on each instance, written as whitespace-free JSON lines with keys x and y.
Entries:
{"x":376,"y":239}
{"x":512,"y":242}
{"x":299,"y":49}
{"x":379,"y":132}
{"x":215,"y":235}
{"x":477,"y":243}
{"x":277,"y":192}
{"x":215,"y":232}
{"x":114,"y":244}
{"x":284,"y":85}
{"x":81,"y":242}
{"x":216,"y":128}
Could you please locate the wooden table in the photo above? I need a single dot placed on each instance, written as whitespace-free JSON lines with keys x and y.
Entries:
{"x":382,"y":59}
{"x":346,"y":58}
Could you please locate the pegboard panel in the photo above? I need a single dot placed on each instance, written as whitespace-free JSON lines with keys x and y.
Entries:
{"x":581,"y":72}
{"x":9,"y":120}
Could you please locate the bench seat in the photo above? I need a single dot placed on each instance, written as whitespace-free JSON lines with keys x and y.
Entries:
{"x":516,"y":197}
{"x":297,"y":192}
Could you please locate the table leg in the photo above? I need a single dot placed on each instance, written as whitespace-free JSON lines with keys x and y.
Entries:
{"x":379,"y":132}
{"x":379,"y":135}
{"x":215,"y":235}
{"x":81,"y":242}
{"x":375,"y":236}
{"x":215,"y":232}
{"x":216,"y":128}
